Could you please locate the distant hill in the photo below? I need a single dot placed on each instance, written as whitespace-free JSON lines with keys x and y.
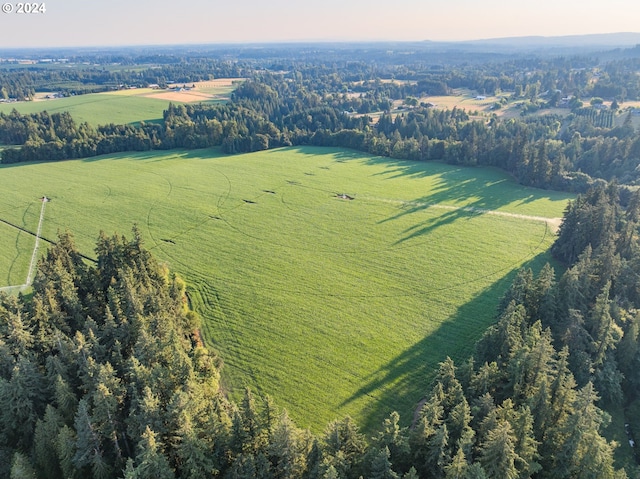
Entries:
{"x":625,"y":39}
{"x":556,"y":44}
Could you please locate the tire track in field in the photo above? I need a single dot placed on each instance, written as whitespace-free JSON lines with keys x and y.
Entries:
{"x":152,"y":207}
{"x":554,"y":223}
{"x":32,"y":263}
{"x":308,"y":289}
{"x":222,"y":199}
{"x":549,"y":223}
{"x":45,"y":200}
{"x":109,"y":193}
{"x":223,"y":214}
{"x":283,"y":244}
{"x":17,"y":241}
{"x":15,"y":258}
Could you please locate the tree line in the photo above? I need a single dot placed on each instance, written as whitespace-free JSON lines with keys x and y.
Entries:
{"x":22,"y":82}
{"x":570,"y":154}
{"x":325,"y":97}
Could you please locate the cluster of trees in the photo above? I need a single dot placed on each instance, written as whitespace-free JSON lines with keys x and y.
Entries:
{"x":22,"y":82}
{"x":16,"y":86}
{"x":103,"y":374}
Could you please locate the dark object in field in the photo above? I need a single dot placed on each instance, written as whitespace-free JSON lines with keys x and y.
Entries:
{"x":344,"y":196}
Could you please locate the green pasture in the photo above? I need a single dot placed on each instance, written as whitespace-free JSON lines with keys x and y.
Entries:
{"x":333,"y":306}
{"x":96,"y":108}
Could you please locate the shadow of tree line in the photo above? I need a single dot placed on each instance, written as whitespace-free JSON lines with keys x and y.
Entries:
{"x":400,"y":384}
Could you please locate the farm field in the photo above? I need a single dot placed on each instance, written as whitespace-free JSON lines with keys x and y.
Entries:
{"x":469,"y":101}
{"x":96,"y":108}
{"x":331,"y":280}
{"x":125,"y":106}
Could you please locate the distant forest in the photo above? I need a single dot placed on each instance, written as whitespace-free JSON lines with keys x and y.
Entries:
{"x":103,"y":373}
{"x":313,"y":103}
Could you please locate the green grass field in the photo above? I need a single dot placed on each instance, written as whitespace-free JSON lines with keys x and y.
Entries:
{"x":332,"y":306}
{"x":96,"y":108}
{"x":124,"y":106}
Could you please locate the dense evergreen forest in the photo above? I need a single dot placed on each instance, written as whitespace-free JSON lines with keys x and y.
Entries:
{"x":103,"y":373}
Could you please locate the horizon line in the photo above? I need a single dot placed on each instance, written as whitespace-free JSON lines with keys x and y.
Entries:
{"x":327,"y":41}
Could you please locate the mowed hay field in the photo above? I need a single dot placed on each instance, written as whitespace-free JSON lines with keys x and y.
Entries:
{"x":126,"y":106}
{"x":331,"y":305}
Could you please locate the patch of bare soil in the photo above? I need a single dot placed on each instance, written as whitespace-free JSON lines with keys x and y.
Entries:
{"x":183,"y":96}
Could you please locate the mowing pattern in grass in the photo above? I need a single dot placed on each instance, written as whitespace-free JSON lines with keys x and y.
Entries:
{"x":332,"y":305}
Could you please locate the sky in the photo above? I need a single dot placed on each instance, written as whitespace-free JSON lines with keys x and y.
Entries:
{"x":161,"y":22}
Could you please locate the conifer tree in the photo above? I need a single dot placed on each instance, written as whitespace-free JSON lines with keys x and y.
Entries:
{"x":439,"y":453}
{"x":381,"y":466}
{"x":396,"y":439}
{"x":22,"y":401}
{"x":150,"y":462}
{"x":498,"y":456}
{"x":66,"y":449}
{"x":458,"y":467}
{"x":45,"y":455}
{"x":344,"y":447}
{"x":89,"y":450}
{"x":194,"y":457}
{"x":21,"y":467}
{"x":286,"y":450}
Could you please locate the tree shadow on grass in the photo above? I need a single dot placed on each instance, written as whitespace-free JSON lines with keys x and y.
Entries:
{"x":400,"y":384}
{"x":432,"y":224}
{"x":154,"y":155}
{"x":161,"y":155}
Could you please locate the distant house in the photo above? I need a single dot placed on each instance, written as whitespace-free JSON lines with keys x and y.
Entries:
{"x":481,"y":97}
{"x":564,"y":102}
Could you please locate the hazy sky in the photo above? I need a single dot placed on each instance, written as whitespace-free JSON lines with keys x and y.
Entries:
{"x":134,"y":22}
